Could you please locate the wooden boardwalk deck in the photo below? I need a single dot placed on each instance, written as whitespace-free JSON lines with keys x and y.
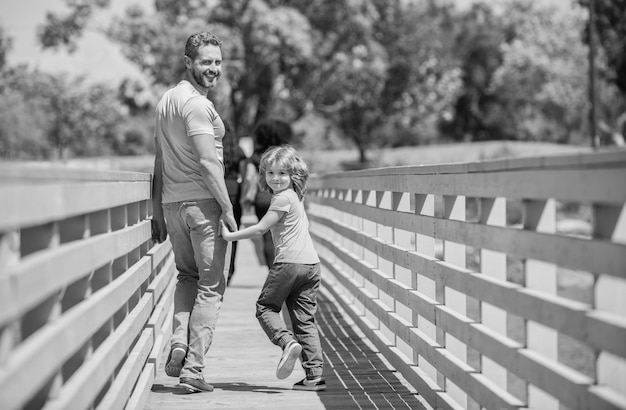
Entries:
{"x":241,"y":363}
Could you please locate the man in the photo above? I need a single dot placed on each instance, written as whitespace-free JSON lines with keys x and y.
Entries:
{"x":189,"y":193}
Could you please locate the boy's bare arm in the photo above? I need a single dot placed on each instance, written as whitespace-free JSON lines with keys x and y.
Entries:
{"x":258,"y":229}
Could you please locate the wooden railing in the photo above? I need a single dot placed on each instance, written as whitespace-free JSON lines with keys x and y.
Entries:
{"x":85,"y":296}
{"x":487,"y":285}
{"x":495,"y":284}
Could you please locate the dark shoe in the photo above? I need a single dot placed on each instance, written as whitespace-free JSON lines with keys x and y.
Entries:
{"x":288,"y":359}
{"x":175,"y":360}
{"x":311,"y":385}
{"x":194,"y":385}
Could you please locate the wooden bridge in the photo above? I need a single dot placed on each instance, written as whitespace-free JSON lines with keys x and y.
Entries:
{"x":484,"y":285}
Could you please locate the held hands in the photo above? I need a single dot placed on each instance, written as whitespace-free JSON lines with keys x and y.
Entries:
{"x":225,"y":231}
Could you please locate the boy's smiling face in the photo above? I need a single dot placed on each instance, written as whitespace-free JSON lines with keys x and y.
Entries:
{"x":277,"y":178}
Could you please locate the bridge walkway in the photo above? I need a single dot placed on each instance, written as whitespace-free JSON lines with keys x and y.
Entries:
{"x":242,"y":362}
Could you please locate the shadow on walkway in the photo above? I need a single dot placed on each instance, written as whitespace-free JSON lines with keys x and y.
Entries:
{"x":356,"y":376}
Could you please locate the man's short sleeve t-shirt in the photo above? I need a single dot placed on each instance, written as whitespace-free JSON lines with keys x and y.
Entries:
{"x":181,"y":114}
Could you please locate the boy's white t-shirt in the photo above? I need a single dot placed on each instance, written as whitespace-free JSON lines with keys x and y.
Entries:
{"x":292,"y":241}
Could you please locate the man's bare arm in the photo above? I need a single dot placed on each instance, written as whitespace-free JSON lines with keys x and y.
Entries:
{"x":159,"y":230}
{"x":213,"y":172}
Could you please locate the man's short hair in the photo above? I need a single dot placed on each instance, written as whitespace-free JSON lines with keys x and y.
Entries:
{"x":195,"y":41}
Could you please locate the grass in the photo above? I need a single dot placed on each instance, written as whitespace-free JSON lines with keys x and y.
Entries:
{"x":322,"y":161}
{"x":337,"y":160}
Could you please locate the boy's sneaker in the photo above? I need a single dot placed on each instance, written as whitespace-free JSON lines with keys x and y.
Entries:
{"x":288,"y":359}
{"x":175,"y":359}
{"x":194,"y":385}
{"x":316,"y":384}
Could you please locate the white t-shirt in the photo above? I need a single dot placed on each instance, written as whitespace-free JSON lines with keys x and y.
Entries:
{"x":292,"y":241}
{"x":181,"y":114}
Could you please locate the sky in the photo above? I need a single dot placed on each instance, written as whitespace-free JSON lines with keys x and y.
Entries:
{"x":96,"y":57}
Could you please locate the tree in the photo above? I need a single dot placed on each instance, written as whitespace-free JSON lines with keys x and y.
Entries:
{"x":423,"y":79}
{"x":23,"y":122}
{"x":6,"y":43}
{"x":380,"y":79}
{"x":287,"y":58}
{"x":267,"y":46}
{"x":479,"y":34}
{"x":64,"y":30}
{"x":610,"y":26}
{"x":540,"y":84}
{"x":52,"y":117}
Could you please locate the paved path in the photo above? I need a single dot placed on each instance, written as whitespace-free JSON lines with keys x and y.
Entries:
{"x":241,"y":364}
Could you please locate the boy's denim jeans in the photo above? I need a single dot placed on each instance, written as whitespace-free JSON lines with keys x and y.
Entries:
{"x":200,"y":256}
{"x":297,"y":286}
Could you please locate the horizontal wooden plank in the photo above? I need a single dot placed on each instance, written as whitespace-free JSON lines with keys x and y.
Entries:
{"x":165,"y":305}
{"x":569,"y":386}
{"x":51,"y":346}
{"x":572,"y":185}
{"x":604,"y":398}
{"x":142,"y":388}
{"x":121,"y":389}
{"x":167,"y":274}
{"x":159,"y":252}
{"x":141,"y":392}
{"x":564,"y":383}
{"x":81,"y":390}
{"x":607,"y":329}
{"x":592,"y":160}
{"x":457,"y":371}
{"x":30,"y":205}
{"x":566,"y":316}
{"x":598,"y":256}
{"x":426,"y":387}
{"x":400,"y":292}
{"x":39,"y":275}
{"x":25,"y":172}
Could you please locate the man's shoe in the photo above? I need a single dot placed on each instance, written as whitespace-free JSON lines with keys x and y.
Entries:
{"x":194,"y":385}
{"x":288,"y":359}
{"x":175,"y":360}
{"x":311,"y":384}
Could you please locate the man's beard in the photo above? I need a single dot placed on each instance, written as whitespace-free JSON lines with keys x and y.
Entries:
{"x":203,"y":81}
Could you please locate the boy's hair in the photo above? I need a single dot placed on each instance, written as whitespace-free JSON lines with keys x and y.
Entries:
{"x":288,"y":157}
{"x":197,"y":40}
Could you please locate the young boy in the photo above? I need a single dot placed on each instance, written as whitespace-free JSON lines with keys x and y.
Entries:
{"x":295,"y":275}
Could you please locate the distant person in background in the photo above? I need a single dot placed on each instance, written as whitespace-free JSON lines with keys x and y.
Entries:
{"x":268,"y":133}
{"x":189,"y":198}
{"x":234,"y":161}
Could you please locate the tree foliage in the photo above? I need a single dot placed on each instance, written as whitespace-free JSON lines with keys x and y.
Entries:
{"x":478,"y":35}
{"x":610,"y":27}
{"x":67,"y":118}
{"x":380,"y":72}
{"x":540,"y":84}
{"x":339,"y":58}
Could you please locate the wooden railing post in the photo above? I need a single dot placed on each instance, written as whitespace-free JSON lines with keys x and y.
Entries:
{"x":10,"y":334}
{"x":425,"y":245}
{"x":610,"y":292}
{"x":402,"y":238}
{"x":492,"y":263}
{"x":540,"y":216}
{"x":454,"y":253}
